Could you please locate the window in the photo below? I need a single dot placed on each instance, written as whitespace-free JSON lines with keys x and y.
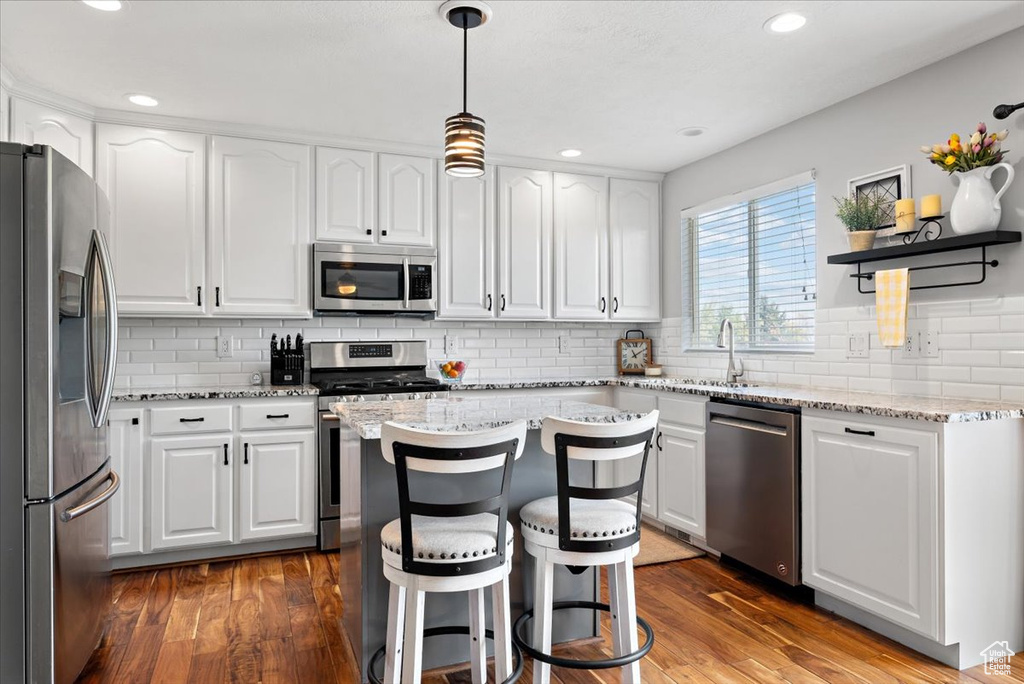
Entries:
{"x":752,"y":261}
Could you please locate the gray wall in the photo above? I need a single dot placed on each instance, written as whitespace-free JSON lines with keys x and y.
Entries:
{"x":878,"y":129}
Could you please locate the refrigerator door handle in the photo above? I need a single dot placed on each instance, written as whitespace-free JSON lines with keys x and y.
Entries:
{"x":70,"y":514}
{"x":110,"y":303}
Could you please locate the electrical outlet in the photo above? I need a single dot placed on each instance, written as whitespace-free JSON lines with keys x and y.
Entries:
{"x":857,"y":346}
{"x":910,"y":348}
{"x":563,"y":344}
{"x":225,"y":346}
{"x":451,"y":345}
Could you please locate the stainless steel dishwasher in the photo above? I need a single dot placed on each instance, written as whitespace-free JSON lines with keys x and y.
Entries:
{"x":753,"y":486}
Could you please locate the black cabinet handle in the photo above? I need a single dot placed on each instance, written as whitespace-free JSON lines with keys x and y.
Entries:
{"x":489,"y":302}
{"x":369,"y":231}
{"x":191,"y":420}
{"x":615,"y":305}
{"x":866,"y":433}
{"x":384,"y":233}
{"x":199,"y":295}
{"x":659,"y":442}
{"x":216,"y":293}
{"x":502,"y":302}
{"x":225,"y":453}
{"x":245,"y":459}
{"x":604,"y":304}
{"x":135,"y":421}
{"x":276,"y":415}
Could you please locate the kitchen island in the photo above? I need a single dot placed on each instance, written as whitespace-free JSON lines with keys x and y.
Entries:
{"x":363,"y":586}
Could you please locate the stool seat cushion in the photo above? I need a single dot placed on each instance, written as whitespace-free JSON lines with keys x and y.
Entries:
{"x":589,"y":519}
{"x":446,"y":540}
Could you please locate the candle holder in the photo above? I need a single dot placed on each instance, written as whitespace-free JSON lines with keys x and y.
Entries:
{"x":930,"y":227}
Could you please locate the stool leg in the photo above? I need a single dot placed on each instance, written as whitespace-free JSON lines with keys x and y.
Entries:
{"x":478,"y":642}
{"x":396,"y":635}
{"x":412,"y":658}
{"x":613,"y":604}
{"x":542,"y":599}
{"x":625,"y":598}
{"x":502,"y":629}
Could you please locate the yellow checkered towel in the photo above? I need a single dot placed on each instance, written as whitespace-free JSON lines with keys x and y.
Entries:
{"x":891,"y":292}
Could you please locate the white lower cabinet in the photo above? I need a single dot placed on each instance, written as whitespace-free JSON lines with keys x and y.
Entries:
{"x":871,"y":518}
{"x":126,"y":443}
{"x":681,"y":478}
{"x":627,"y":470}
{"x":191,"y":491}
{"x":277,"y":492}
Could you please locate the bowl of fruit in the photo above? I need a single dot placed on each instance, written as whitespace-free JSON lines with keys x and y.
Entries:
{"x":451,"y":371}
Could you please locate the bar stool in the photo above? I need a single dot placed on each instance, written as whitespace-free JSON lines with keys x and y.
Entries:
{"x":448,"y":547}
{"x":584,"y":527}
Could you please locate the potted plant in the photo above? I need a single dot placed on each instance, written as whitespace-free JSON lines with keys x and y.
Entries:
{"x":971,"y":163}
{"x":861,"y":215}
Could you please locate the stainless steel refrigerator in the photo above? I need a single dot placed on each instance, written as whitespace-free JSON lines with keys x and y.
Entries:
{"x":58,"y":347}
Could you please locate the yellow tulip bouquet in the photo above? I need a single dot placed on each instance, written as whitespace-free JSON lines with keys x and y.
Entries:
{"x":980,"y":149}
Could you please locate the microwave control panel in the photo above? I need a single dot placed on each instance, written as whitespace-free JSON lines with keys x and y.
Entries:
{"x":421,"y":282}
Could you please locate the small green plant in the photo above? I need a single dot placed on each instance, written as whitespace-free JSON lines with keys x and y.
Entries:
{"x":863,"y":212}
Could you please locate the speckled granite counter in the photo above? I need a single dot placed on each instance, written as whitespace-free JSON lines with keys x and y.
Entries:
{"x":214,"y":392}
{"x":466,"y":413}
{"x":935,"y":409}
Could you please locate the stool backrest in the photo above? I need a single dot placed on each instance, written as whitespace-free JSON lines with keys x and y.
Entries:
{"x":569,"y":439}
{"x":452,"y":453}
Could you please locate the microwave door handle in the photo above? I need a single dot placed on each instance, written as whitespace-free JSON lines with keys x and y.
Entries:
{"x":405,"y":270}
{"x":110,"y":303}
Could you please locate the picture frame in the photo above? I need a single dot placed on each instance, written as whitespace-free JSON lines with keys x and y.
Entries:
{"x":892,"y":184}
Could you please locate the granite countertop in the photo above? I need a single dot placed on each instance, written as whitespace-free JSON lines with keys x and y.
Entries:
{"x":214,"y":392}
{"x":467,"y":414}
{"x":935,"y":409}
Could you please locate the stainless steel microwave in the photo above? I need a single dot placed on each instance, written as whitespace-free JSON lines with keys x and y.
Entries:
{"x":374,"y":280}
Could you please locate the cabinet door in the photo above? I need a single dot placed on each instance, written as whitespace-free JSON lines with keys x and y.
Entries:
{"x":406,"y":200}
{"x":260,"y":225}
{"x":124,"y":439}
{"x":524,"y":244}
{"x":871,"y":519}
{"x":156,"y":183}
{"x":627,"y":470}
{"x":190,"y":491}
{"x":581,"y":247}
{"x":5,"y":114}
{"x":681,"y":479}
{"x":635,"y":229}
{"x":36,"y":124}
{"x":346,"y":195}
{"x":466,"y":246}
{"x":276,"y":495}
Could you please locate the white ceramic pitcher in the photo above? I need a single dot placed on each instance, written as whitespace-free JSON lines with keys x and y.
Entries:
{"x":976,"y":205}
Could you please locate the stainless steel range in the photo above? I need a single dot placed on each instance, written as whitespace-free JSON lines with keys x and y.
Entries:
{"x":358,"y":371}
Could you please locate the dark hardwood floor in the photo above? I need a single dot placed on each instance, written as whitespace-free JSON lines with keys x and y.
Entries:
{"x":275,"y":619}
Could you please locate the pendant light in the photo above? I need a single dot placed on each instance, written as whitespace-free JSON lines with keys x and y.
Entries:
{"x":463,"y":132}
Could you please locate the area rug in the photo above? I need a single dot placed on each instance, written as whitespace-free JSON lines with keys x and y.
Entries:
{"x":658,"y":547}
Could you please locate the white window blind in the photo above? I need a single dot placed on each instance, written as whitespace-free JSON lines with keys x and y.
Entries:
{"x":753,"y":263}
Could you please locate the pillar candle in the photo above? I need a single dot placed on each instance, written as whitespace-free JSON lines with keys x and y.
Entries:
{"x":931,"y":205}
{"x":904,"y":213}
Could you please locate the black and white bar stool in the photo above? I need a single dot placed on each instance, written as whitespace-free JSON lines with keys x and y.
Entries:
{"x":584,"y":527}
{"x":448,"y":547}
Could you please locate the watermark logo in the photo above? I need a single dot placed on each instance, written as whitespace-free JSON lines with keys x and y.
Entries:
{"x":997,"y":658}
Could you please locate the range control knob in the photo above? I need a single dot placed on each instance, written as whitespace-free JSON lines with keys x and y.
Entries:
{"x":415,"y":395}
{"x":430,"y":395}
{"x":388,"y":397}
{"x":358,"y":398}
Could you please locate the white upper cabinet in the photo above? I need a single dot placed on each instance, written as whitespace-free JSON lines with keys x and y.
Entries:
{"x":260,"y":227}
{"x":466,"y":246}
{"x":36,"y":124}
{"x":635,"y":229}
{"x":581,"y":247}
{"x":346,"y":195}
{"x":407,"y":195}
{"x":156,"y":183}
{"x":524,"y":244}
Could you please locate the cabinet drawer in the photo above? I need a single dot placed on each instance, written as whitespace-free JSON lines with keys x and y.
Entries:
{"x":268,"y":415}
{"x":189,"y":420}
{"x":682,"y":411}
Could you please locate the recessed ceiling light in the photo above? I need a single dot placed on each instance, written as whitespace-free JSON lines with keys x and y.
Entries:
{"x":143,"y":100}
{"x":785,"y":23}
{"x":691,"y":131}
{"x":104,"y":5}
{"x":571,"y":153}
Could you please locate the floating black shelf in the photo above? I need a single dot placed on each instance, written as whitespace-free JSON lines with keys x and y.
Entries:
{"x":951,"y":244}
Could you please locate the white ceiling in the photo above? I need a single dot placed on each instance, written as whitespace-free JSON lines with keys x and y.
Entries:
{"x":615,"y":79}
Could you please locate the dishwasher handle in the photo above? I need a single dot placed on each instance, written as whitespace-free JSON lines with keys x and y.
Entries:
{"x":754,"y":425}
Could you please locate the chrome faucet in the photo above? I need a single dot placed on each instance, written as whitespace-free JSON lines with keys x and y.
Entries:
{"x":735,"y":365}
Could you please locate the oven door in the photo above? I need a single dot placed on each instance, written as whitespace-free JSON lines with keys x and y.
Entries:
{"x":372,"y":283}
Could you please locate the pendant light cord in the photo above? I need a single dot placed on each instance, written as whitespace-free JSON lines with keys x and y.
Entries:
{"x":465,"y":63}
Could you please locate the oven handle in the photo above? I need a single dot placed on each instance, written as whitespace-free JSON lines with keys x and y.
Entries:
{"x":405,"y":268}
{"x":329,"y":416}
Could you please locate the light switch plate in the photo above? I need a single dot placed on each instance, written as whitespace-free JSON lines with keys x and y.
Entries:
{"x":451,"y":345}
{"x":857,"y":345}
{"x":225,"y":346}
{"x":563,"y":344}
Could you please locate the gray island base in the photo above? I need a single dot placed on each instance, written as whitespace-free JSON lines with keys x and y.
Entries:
{"x":363,"y":585}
